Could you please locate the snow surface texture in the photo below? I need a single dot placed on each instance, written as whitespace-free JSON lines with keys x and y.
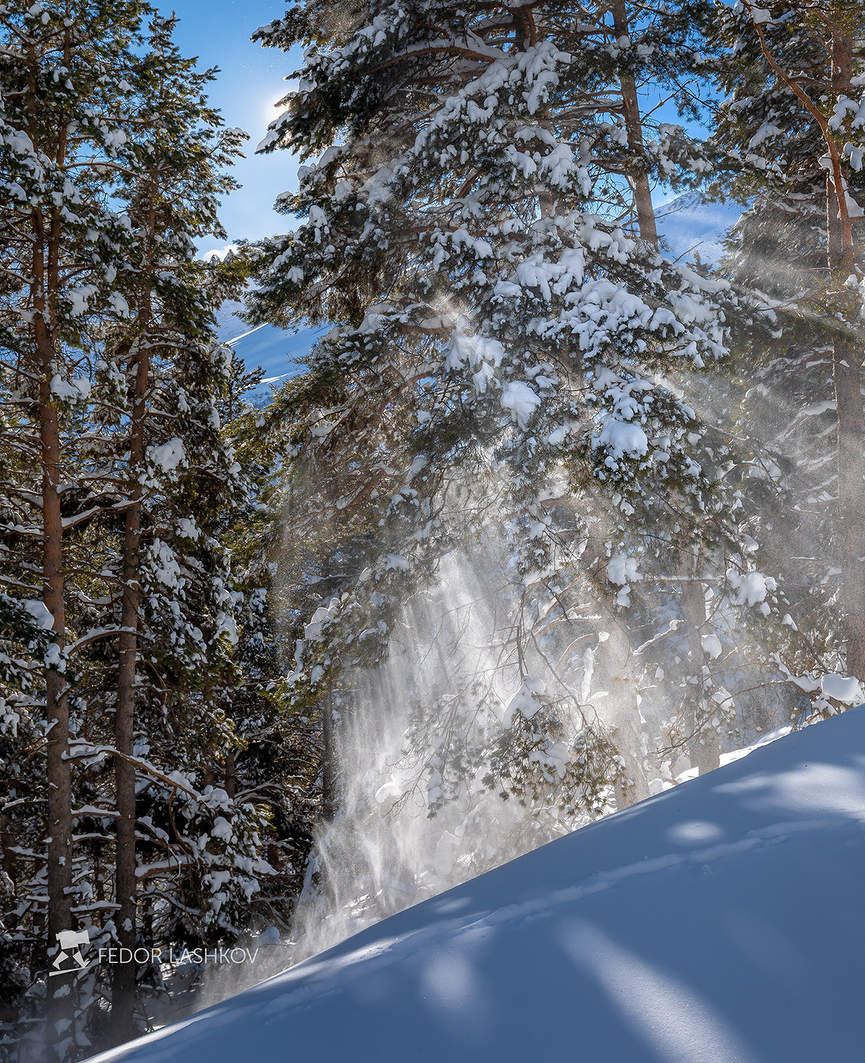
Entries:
{"x":721,"y":920}
{"x":691,"y":225}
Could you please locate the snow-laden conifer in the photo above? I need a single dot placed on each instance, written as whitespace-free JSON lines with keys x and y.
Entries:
{"x":119,"y":605}
{"x":794,"y":119}
{"x":503,"y":331}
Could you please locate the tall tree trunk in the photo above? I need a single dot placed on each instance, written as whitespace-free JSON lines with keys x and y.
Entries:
{"x":623,"y":693}
{"x":45,"y":285}
{"x":634,"y":127}
{"x":622,"y":709}
{"x":123,"y":975}
{"x":847,"y":379}
{"x":705,"y":746}
{"x":329,"y":768}
{"x":59,"y":772}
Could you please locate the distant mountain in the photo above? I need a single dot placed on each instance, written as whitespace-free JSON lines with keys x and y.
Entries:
{"x":688,"y":224}
{"x":229,"y":323}
{"x":691,"y":224}
{"x":266,"y":347}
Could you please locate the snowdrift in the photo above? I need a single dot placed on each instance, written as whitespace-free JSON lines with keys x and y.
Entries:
{"x":722,"y":920}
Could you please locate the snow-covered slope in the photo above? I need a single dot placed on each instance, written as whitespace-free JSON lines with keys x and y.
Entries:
{"x":721,"y":920}
{"x":690,"y":224}
{"x":275,"y":351}
{"x":272,"y":349}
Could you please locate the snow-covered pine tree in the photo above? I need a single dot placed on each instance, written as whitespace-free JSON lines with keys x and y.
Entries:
{"x":278,"y":756}
{"x":795,"y":120}
{"x":117,"y":481}
{"x":61,"y":69}
{"x":469,"y":230}
{"x":158,"y":384}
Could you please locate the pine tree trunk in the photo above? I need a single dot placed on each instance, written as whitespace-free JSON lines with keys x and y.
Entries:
{"x":623,"y":711}
{"x":123,"y":975}
{"x":705,"y":746}
{"x":230,"y":774}
{"x":634,"y":127}
{"x":847,"y":379}
{"x":634,"y":786}
{"x":619,"y":710}
{"x":328,"y":771}
{"x":59,"y":773}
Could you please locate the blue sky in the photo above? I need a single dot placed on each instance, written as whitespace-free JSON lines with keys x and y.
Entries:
{"x":250,"y":81}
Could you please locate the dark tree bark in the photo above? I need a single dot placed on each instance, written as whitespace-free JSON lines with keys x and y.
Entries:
{"x":45,"y":287}
{"x":123,"y":974}
{"x":633,"y":124}
{"x":847,"y":379}
{"x":329,"y":768}
{"x":56,"y":699}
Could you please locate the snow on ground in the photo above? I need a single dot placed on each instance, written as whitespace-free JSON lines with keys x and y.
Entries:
{"x":737,"y":754}
{"x":721,"y":920}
